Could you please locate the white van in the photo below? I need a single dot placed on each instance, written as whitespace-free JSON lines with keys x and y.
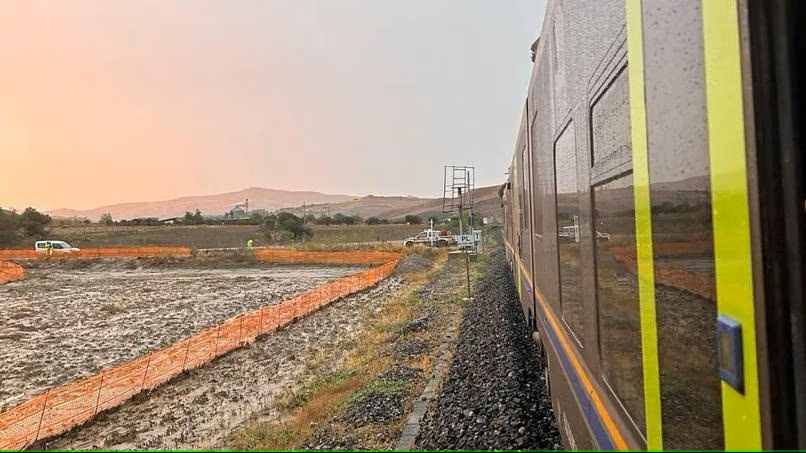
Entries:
{"x":55,"y":247}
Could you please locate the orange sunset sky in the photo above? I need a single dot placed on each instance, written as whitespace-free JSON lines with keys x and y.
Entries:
{"x":113,"y":101}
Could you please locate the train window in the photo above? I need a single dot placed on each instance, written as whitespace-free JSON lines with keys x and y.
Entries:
{"x":610,"y":122}
{"x":527,"y":188}
{"x":568,"y":234}
{"x":617,"y":293}
{"x":537,"y":192}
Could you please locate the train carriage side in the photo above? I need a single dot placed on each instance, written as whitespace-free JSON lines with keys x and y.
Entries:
{"x":635,"y":230}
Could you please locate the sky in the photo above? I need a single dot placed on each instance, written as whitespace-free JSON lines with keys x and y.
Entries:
{"x":108,"y":101}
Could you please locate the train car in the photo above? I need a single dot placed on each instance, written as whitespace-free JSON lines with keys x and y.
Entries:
{"x":655,"y":222}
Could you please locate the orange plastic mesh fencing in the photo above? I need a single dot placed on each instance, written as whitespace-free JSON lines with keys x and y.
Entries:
{"x":66,"y":406}
{"x":97,"y":252}
{"x":10,"y":271}
{"x":281,"y":255}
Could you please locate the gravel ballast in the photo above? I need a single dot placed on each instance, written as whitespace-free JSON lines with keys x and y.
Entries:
{"x":494,"y":396}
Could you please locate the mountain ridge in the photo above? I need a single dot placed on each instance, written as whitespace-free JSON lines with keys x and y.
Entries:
{"x":214,"y":204}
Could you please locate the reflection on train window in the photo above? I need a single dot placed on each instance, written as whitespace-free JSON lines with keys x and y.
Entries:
{"x":617,"y":293}
{"x":610,"y":121}
{"x":691,"y":398}
{"x":527,"y":188}
{"x":565,"y":164}
{"x":537,"y":189}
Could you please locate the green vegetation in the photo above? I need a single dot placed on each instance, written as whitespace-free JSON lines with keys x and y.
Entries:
{"x":193,"y":218}
{"x":31,"y":224}
{"x":285,"y":226}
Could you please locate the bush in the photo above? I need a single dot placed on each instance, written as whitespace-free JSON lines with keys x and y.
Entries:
{"x":413,"y":219}
{"x":30,"y":224}
{"x":9,"y":227}
{"x":34,"y":223}
{"x":284,"y":226}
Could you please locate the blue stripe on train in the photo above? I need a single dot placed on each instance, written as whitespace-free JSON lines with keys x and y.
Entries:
{"x":586,"y":404}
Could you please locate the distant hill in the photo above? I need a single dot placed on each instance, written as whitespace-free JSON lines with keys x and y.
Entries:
{"x":487,"y":204}
{"x":387,"y":207}
{"x":486,"y":199}
{"x":259,"y":198}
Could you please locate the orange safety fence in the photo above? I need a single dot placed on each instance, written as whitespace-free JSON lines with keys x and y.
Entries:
{"x":65,"y":406}
{"x":281,"y":255}
{"x":97,"y":252}
{"x":10,"y":271}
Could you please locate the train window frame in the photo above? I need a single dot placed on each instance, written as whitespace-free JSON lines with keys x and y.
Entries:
{"x":537,"y":198}
{"x":568,"y":125}
{"x":616,"y":165}
{"x":620,"y":161}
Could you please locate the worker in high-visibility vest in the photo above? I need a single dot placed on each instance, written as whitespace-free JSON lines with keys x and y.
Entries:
{"x":250,"y":243}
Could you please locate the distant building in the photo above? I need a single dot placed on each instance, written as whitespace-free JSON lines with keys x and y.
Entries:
{"x":238,"y":211}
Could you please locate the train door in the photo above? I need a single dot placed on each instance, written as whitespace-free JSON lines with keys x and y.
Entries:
{"x":719,"y":204}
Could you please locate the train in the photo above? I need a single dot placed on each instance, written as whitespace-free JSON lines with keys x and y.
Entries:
{"x":654,"y":222}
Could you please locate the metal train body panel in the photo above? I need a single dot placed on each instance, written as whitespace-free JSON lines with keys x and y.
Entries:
{"x":635,"y":228}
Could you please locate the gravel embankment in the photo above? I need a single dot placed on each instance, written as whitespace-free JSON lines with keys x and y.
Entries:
{"x":494,"y":396}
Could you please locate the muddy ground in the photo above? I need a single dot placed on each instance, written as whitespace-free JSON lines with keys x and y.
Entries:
{"x":71,"y":319}
{"x":200,"y":408}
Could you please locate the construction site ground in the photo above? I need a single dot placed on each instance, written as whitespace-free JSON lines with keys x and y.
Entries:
{"x":68,"y":319}
{"x":376,"y":370}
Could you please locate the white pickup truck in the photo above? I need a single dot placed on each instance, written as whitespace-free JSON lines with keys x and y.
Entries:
{"x":438,"y":238}
{"x":55,"y":248}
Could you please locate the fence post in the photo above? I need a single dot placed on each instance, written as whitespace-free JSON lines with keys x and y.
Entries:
{"x":41,"y":417}
{"x":187,"y":351}
{"x":260,"y":329}
{"x":145,"y":374}
{"x":98,"y":398}
{"x":217,"y":335}
{"x":240,"y":332}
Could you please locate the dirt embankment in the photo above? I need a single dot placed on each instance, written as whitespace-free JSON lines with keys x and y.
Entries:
{"x":67,"y":319}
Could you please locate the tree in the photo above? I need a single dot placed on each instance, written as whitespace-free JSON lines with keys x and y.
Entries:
{"x":324,"y":220}
{"x":188,"y":218}
{"x":374,"y":221}
{"x":257,"y":217}
{"x":285,"y":225}
{"x":9,"y":227}
{"x":34,"y":223}
{"x":107,"y":219}
{"x":198,"y":219}
{"x":294,"y":225}
{"x":413,"y":219}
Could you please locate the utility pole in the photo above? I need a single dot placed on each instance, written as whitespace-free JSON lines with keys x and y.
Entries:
{"x":457,"y":196}
{"x":462,"y":235}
